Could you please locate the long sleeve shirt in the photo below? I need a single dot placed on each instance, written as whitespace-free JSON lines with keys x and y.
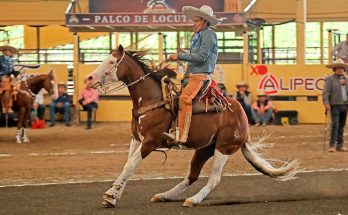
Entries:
{"x":341,"y":50}
{"x":90,"y":95}
{"x":6,"y":65}
{"x":203,"y":54}
{"x":63,"y":98}
{"x":333,"y":92}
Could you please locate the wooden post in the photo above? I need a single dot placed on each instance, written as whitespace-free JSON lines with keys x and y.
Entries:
{"x":160,"y":47}
{"x":321,"y":43}
{"x":273,"y":44}
{"x":76,"y":78}
{"x":301,"y":19}
{"x":117,"y":39}
{"x":245,"y":56}
{"x":259,"y":50}
{"x":330,"y":45}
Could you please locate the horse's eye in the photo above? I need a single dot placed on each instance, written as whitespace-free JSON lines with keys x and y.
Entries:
{"x":111,"y":62}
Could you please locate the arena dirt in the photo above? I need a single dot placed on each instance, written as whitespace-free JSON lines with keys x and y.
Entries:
{"x":62,"y":154}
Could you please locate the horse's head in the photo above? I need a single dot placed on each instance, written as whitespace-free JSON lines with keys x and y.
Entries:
{"x":50,"y":84}
{"x":109,"y":71}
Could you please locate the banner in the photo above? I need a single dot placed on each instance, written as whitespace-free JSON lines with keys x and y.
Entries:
{"x":150,"y":6}
{"x":141,"y":19}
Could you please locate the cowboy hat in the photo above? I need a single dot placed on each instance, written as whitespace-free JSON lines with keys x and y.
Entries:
{"x":62,"y":84}
{"x":12,"y":49}
{"x":205,"y":12}
{"x":338,"y":64}
{"x":242,"y":84}
{"x":262,"y":95}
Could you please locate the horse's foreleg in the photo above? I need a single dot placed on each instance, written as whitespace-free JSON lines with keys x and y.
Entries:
{"x":117,"y":187}
{"x":20,"y":125}
{"x":198,"y":160}
{"x":214,"y":179}
{"x":134,"y":144}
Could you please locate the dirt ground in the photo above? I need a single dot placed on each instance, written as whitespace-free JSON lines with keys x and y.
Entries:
{"x":73,"y":154}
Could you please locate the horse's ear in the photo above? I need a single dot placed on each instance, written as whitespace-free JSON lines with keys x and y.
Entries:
{"x":120,"y":49}
{"x":51,"y":73}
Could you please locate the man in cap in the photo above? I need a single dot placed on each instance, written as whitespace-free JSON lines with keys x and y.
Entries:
{"x":340,"y":51}
{"x":201,"y":62}
{"x":6,"y":70}
{"x":335,"y":98}
{"x":262,"y":110}
{"x":62,"y":105}
{"x":243,"y":96}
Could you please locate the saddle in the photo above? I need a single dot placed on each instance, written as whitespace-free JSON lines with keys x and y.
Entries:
{"x":208,"y":99}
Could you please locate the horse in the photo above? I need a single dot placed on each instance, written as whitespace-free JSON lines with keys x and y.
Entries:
{"x":216,"y":135}
{"x":27,"y":90}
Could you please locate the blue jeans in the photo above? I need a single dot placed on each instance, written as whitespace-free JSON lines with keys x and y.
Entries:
{"x":338,"y":121}
{"x":89,"y":108}
{"x":262,"y":118}
{"x":65,"y":109}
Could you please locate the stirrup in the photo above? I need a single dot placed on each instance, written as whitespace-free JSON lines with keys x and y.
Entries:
{"x":172,"y":137}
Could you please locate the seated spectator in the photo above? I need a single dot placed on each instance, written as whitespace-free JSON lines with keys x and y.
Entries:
{"x":39,"y":106}
{"x":243,"y":96}
{"x":262,"y":110}
{"x":61,"y":105}
{"x":89,"y":98}
{"x":223,"y":89}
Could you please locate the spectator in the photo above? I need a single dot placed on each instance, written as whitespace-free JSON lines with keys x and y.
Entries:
{"x":6,"y":70}
{"x":340,"y":51}
{"x":243,"y":96}
{"x":223,"y":89}
{"x":335,"y":98}
{"x":39,"y":106}
{"x":62,"y":105}
{"x":262,"y":110}
{"x":89,"y":98}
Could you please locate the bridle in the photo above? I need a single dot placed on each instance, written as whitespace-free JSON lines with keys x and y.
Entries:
{"x":100,"y":85}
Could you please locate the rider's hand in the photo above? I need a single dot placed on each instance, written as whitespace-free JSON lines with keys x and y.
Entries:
{"x":173,"y":57}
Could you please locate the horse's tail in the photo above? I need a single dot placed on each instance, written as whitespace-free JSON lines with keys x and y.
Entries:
{"x":251,"y":152}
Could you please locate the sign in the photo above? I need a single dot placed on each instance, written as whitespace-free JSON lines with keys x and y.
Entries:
{"x":143,"y":19}
{"x":149,"y":6}
{"x":286,"y":83}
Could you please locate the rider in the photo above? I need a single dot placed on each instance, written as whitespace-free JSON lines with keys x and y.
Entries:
{"x":6,"y":70}
{"x":201,"y":62}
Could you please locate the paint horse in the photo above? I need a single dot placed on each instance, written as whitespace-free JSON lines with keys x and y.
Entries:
{"x":216,"y":135}
{"x":27,"y":90}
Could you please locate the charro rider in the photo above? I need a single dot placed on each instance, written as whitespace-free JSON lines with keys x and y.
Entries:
{"x":6,"y":70}
{"x":201,"y":62}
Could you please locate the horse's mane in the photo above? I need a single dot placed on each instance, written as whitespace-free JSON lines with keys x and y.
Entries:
{"x":144,"y":63}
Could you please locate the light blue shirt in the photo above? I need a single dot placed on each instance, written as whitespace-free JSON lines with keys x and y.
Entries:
{"x":203,"y":54}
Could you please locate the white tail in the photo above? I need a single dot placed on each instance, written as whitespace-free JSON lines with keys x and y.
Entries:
{"x":286,"y":172}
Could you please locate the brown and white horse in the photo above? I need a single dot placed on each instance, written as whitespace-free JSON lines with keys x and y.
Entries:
{"x":28,"y":89}
{"x":216,"y":135}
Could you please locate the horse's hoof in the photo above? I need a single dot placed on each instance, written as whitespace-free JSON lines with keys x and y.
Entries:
{"x":107,"y":204}
{"x":26,"y":141}
{"x":109,"y":201}
{"x":157,"y":198}
{"x":19,"y":142}
{"x":188,"y":203}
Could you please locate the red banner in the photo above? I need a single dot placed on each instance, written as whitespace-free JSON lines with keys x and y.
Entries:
{"x":149,"y":6}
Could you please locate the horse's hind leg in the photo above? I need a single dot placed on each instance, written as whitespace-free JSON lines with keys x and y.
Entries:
{"x":25,"y":125}
{"x":197,"y":162}
{"x":214,"y":179}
